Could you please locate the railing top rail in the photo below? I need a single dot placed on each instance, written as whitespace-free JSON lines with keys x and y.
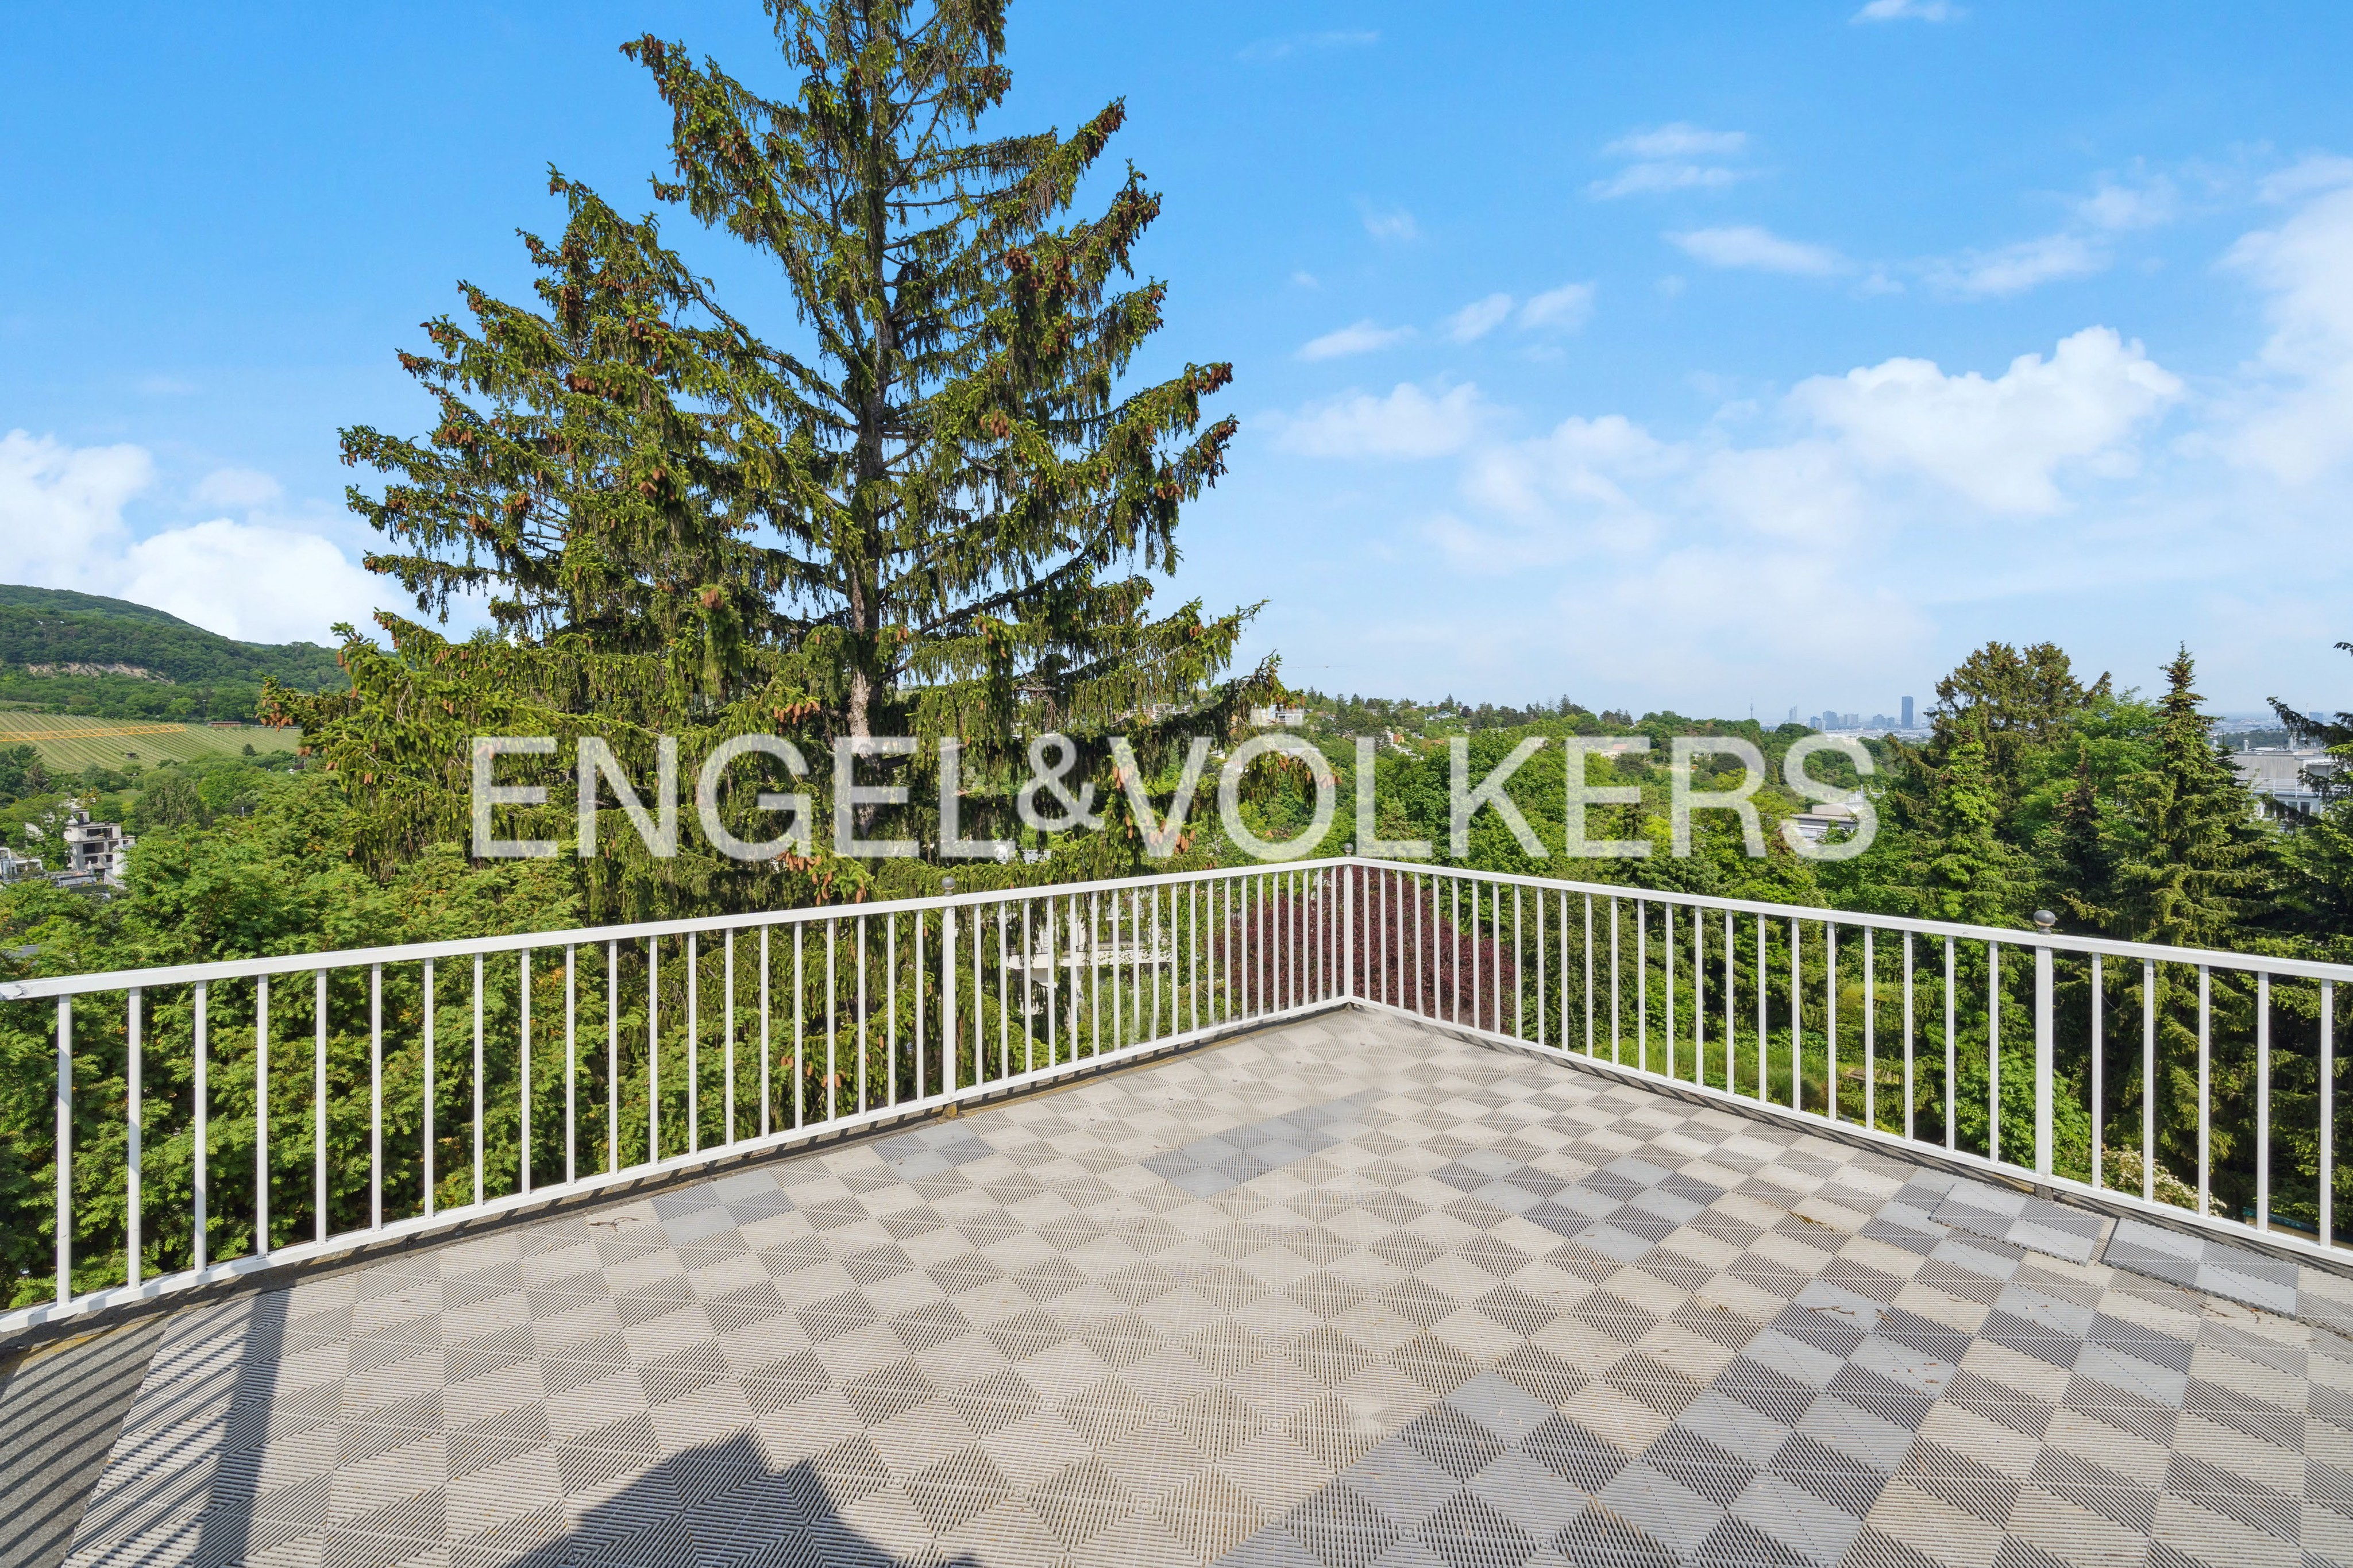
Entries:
{"x":2009,"y":936}
{"x":102,"y":981}
{"x":466,"y":947}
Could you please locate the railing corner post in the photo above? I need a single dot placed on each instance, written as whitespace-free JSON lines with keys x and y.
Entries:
{"x":1348,"y":931}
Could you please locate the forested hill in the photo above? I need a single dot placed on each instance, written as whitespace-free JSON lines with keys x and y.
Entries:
{"x":51,"y":626}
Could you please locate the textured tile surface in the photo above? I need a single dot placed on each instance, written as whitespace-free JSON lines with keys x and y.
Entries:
{"x":1348,"y":1294}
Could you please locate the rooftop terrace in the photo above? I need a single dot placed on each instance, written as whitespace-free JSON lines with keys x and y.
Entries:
{"x":1347,"y":1292}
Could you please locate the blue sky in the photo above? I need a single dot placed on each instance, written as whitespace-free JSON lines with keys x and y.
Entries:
{"x":1704,"y":356}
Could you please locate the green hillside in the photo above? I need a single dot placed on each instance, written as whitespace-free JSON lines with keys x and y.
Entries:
{"x":63,"y":652}
{"x":50,"y":626}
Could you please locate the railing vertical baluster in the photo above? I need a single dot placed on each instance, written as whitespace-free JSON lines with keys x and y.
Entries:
{"x":132,"y":1130}
{"x":523,"y":1077}
{"x":202,"y":1173}
{"x":653,"y":1050}
{"x":890,"y":1009}
{"x":727,"y":1005}
{"x":1993,"y":1051}
{"x":1952,"y":1046}
{"x":426,"y":1119}
{"x":1870,"y":1032}
{"x":477,"y":1079}
{"x":2205,"y":1089}
{"x":947,"y":1000}
{"x":767,"y":1040}
{"x":1518,"y":1029}
{"x":1154,"y":968}
{"x":1029,"y":994}
{"x":832,"y":1027}
{"x":612,"y":1057}
{"x":2328,"y":1112}
{"x":693,"y":983}
{"x":2263,"y":1101}
{"x":1004,"y":1038}
{"x":1094,"y":974}
{"x":570,"y":1062}
{"x":2148,"y":1080}
{"x":375,"y":1096}
{"x":261,"y":1117}
{"x":318,"y":1107}
{"x":1764,"y":1002}
{"x":800,"y":1021}
{"x":979,"y":1015}
{"x":2099,"y":1075}
{"x":1731,"y":994}
{"x":65,"y":1149}
{"x":862,"y":1028}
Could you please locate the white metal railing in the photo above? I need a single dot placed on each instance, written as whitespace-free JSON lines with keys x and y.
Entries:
{"x":209,"y":1124}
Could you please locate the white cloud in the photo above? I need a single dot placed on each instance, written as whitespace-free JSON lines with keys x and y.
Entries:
{"x":1479,"y":318}
{"x":61,"y":509}
{"x":1649,"y":179}
{"x":2297,"y":420}
{"x":253,"y":582}
{"x":1269,"y":50}
{"x":1305,"y":279}
{"x":1909,"y":10}
{"x":2117,"y":208}
{"x":1805,"y":490}
{"x":1747,"y":246}
{"x":1584,"y":467}
{"x":236,"y":487}
{"x":2308,"y":176}
{"x":1394,"y":225}
{"x":1666,"y":158}
{"x":1565,"y":309}
{"x":1356,"y":338}
{"x":1678,"y":139}
{"x":1408,"y":422}
{"x":1998,"y":443}
{"x":2014,"y":268}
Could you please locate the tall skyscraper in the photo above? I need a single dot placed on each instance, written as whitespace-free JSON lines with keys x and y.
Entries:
{"x":1907,"y":713}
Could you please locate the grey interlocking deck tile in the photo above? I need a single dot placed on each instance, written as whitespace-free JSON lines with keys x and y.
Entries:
{"x":1347,"y":1294}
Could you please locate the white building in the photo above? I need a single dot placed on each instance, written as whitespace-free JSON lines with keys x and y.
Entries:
{"x":1288,"y":718}
{"x":99,"y":851}
{"x":2277,"y":774}
{"x":16,"y":867}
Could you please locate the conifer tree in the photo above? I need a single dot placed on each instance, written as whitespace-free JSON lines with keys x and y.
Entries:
{"x":931,"y":505}
{"x":2187,"y":849}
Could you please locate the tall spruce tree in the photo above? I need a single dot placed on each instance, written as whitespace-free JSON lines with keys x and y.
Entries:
{"x":935,"y":510}
{"x":2187,"y":847}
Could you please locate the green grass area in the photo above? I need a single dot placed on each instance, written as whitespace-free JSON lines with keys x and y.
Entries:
{"x":69,"y":742}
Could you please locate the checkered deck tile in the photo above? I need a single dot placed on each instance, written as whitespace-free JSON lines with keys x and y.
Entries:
{"x":1345,"y":1294}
